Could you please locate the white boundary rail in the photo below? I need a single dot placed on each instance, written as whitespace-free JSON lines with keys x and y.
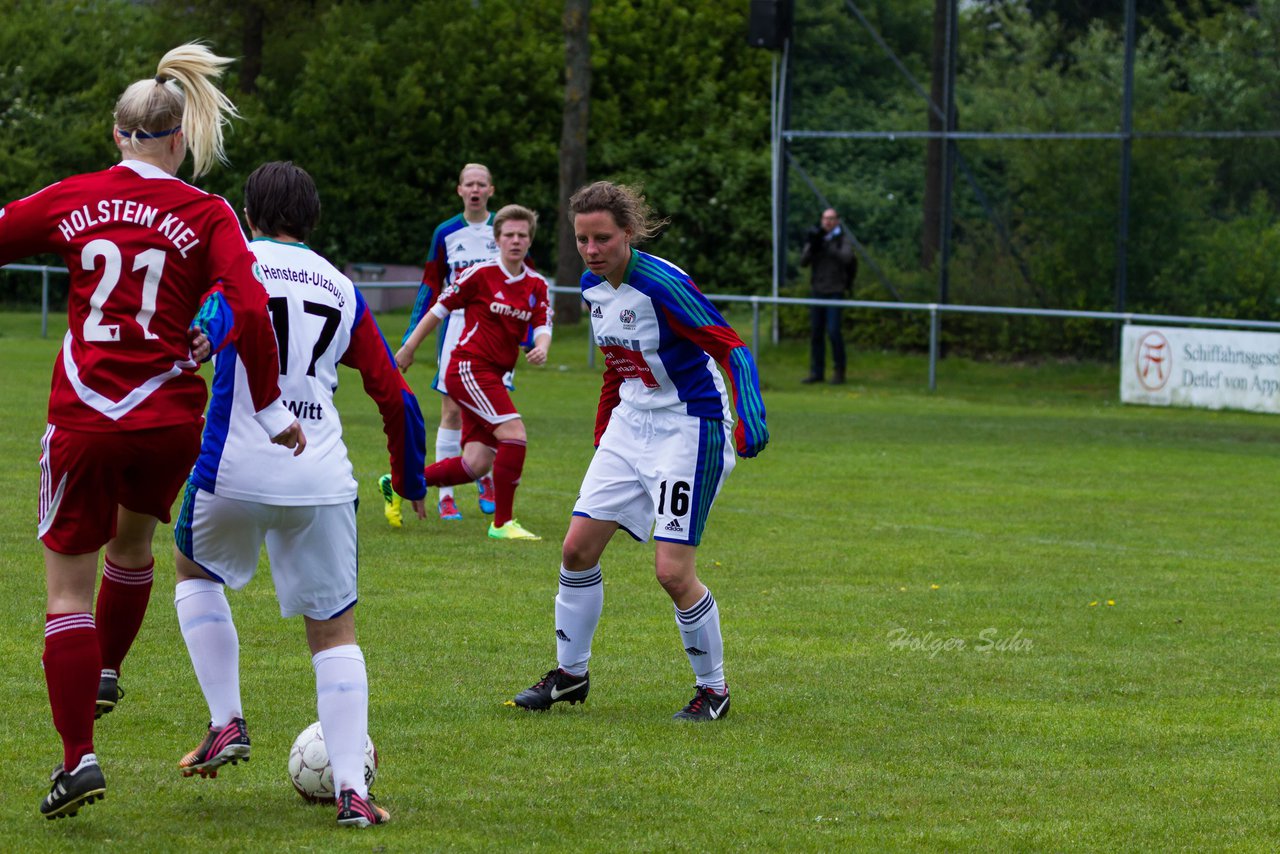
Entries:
{"x":934,"y":310}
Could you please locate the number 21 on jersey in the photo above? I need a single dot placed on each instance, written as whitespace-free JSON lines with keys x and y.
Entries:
{"x":150,"y":260}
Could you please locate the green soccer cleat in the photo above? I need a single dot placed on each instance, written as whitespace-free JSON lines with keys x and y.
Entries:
{"x":513,"y":530}
{"x":390,"y":501}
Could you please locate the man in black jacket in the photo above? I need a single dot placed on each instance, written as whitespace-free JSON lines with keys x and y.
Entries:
{"x":830,"y":252}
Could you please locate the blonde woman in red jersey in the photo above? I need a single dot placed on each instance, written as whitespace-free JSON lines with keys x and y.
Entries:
{"x":144,"y":250}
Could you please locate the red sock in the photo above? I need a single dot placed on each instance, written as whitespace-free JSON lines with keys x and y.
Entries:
{"x":507,"y":468}
{"x":72,"y":665}
{"x":448,"y":472}
{"x":122,"y":603}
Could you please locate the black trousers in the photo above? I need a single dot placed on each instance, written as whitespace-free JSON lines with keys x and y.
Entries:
{"x":825,"y":322}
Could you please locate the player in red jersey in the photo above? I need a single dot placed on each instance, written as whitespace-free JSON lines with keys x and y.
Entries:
{"x":503,"y":300}
{"x":144,"y":250}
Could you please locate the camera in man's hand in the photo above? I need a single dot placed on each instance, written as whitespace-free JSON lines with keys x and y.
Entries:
{"x":815,"y":237}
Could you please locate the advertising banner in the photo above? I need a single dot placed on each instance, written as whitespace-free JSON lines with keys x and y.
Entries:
{"x":1206,"y":368}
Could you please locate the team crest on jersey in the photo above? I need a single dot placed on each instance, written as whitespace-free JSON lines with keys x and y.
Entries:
{"x":492,"y":246}
{"x":257,"y":273}
{"x":628,"y":318}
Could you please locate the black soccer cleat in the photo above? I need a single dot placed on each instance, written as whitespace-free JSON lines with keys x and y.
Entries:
{"x":72,"y":790}
{"x":109,"y":693}
{"x":706,"y":705}
{"x":556,"y":687}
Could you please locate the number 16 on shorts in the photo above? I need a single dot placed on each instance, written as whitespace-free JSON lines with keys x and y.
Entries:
{"x":657,"y":472}
{"x":688,"y":482}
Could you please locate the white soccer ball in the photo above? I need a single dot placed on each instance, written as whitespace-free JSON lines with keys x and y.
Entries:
{"x":309,"y":768}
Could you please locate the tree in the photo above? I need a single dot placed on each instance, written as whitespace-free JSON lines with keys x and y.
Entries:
{"x":573,"y":147}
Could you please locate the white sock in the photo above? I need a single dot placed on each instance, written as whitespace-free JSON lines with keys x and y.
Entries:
{"x":448,"y":444}
{"x":579,"y":602}
{"x":700,"y":633}
{"x":204,"y":616}
{"x":342,"y":699}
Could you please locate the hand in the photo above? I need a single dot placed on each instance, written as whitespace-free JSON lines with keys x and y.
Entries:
{"x":537,"y":355}
{"x":404,"y":358}
{"x":199,"y":344}
{"x":292,"y":437}
{"x":420,"y":507}
{"x":760,"y":433}
{"x":816,"y":235}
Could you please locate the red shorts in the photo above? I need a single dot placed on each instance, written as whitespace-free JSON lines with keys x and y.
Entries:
{"x":85,"y":476}
{"x":485,"y":401}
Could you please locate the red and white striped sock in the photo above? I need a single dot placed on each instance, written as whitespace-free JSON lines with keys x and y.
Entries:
{"x":122,"y":603}
{"x":72,"y":665}
{"x":448,"y":472}
{"x":508,"y":466}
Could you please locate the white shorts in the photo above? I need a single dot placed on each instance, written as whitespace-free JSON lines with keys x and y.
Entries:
{"x":312,"y":549}
{"x":447,"y":338}
{"x":449,"y":333}
{"x":657,"y":471}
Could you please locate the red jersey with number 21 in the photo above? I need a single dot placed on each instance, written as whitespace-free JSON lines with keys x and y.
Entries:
{"x":143,"y":249}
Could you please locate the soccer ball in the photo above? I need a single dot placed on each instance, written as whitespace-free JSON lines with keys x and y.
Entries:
{"x":309,"y":768}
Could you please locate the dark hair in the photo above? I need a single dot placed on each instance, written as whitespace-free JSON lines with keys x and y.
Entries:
{"x":280,"y":198}
{"x":626,"y":204}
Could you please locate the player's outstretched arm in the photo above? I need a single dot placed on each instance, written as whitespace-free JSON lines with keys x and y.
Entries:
{"x":404,"y":356}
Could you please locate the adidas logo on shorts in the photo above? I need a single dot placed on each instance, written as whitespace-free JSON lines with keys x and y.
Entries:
{"x":596,"y":312}
{"x":674,"y":527}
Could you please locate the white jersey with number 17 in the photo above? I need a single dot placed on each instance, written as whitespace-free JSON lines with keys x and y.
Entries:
{"x":320,"y":319}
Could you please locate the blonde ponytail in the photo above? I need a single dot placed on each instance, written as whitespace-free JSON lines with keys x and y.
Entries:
{"x":182,"y":94}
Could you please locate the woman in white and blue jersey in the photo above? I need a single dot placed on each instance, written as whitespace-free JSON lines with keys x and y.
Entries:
{"x":665,"y":438}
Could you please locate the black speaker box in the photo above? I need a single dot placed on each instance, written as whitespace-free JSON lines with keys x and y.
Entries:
{"x":770,"y":23}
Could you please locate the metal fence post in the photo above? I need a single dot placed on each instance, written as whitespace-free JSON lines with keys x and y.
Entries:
{"x":44,"y":303}
{"x":933,"y":346}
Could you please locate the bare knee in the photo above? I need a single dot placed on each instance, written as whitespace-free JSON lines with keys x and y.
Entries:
{"x":131,"y":546}
{"x":676,"y":581}
{"x":478,"y":458}
{"x":585,"y":542}
{"x":326,"y":634}
{"x":578,"y":554}
{"x":675,"y":566}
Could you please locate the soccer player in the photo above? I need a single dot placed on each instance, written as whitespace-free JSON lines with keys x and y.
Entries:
{"x":244,"y":492}
{"x":664,"y":442}
{"x":458,"y":243}
{"x":503,"y":302}
{"x":144,"y":250}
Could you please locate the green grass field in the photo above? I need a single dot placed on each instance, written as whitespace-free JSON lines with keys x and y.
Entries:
{"x":1009,"y":616}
